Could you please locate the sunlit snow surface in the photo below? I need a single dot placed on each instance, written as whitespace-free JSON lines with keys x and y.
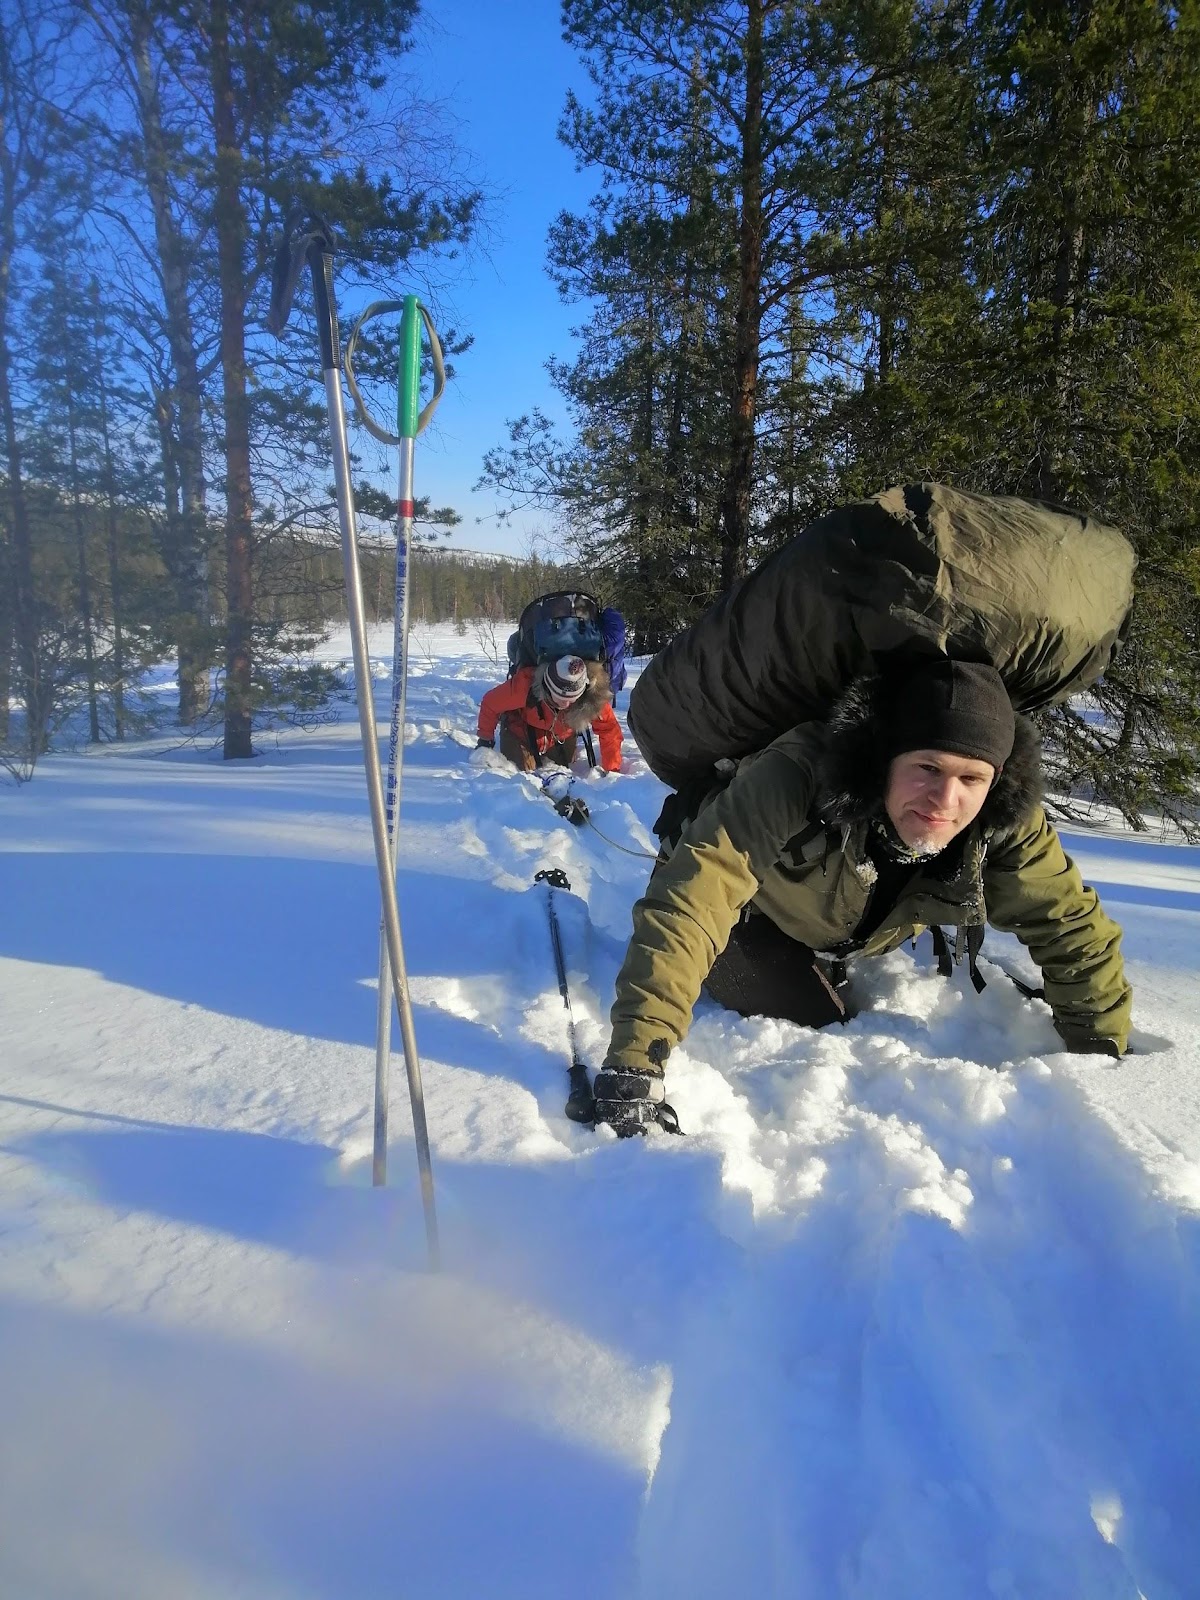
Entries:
{"x":911,"y":1313}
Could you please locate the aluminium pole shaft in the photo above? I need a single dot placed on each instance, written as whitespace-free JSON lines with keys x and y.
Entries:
{"x":383,"y":1016}
{"x":407,"y":416}
{"x":322,"y":279}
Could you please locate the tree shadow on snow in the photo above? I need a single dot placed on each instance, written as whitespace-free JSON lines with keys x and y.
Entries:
{"x":1140,"y":894}
{"x":287,"y":945}
{"x":1129,"y":846}
{"x":265,"y":1190}
{"x":147,"y":1463}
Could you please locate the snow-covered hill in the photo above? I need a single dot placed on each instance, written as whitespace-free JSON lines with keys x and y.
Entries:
{"x":913,"y":1311}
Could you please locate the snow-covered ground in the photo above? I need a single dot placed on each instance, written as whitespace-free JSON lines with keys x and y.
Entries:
{"x":913,"y":1311}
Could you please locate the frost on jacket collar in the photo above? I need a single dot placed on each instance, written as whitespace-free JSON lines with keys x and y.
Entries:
{"x":590,"y":704}
{"x":852,"y":772}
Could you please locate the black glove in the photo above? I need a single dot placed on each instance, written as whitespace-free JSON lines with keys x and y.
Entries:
{"x":485,"y":744}
{"x":631,"y":1101}
{"x":574,"y":810}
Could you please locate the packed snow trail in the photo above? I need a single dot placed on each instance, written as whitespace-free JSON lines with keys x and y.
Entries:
{"x":911,"y":1312}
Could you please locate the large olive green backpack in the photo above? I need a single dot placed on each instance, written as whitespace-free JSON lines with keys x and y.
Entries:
{"x":1040,"y":591}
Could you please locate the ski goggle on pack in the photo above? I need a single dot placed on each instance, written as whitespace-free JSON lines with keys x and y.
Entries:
{"x":563,"y":624}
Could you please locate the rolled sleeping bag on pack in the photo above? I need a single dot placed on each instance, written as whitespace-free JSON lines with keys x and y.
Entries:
{"x":1042,"y":592}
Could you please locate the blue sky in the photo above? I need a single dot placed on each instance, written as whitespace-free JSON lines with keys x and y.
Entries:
{"x":505,"y":72}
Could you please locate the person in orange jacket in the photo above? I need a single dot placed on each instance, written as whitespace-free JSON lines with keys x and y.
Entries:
{"x":542,"y":710}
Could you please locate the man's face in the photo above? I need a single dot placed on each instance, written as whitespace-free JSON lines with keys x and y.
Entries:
{"x":931,"y":796}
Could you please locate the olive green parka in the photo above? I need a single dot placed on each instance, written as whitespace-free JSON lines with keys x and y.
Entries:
{"x":754,"y":842}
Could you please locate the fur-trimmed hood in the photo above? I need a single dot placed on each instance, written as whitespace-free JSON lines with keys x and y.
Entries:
{"x":852,"y":771}
{"x":588,"y":707}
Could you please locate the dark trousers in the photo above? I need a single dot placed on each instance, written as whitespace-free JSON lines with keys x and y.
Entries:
{"x":520,"y":752}
{"x":763,"y":973}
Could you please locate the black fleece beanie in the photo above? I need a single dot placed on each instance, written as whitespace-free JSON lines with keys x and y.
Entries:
{"x":961,"y":707}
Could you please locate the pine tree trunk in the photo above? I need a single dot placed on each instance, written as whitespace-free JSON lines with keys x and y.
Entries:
{"x":1073,"y":114}
{"x":1055,"y":436}
{"x":674,"y":511}
{"x":797,"y":363}
{"x":188,"y":531}
{"x":81,"y":569}
{"x":885,"y":201}
{"x":19,"y":619}
{"x":24,"y":610}
{"x":6,"y":634}
{"x":735,"y":531}
{"x":231,"y":229}
{"x":116,"y":597}
{"x":643,"y":446}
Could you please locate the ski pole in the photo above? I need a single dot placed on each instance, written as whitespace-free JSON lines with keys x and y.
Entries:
{"x":316,"y":246}
{"x":410,"y":421}
{"x":410,"y":367}
{"x":580,"y":1105}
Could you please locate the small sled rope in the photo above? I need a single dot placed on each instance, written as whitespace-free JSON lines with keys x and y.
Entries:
{"x":578,"y":812}
{"x":625,"y":849}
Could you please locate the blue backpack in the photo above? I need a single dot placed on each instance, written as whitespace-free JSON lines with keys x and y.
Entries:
{"x":569,"y":623}
{"x":612,"y":629}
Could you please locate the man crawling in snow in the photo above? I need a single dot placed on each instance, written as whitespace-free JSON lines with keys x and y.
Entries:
{"x":916,"y":805}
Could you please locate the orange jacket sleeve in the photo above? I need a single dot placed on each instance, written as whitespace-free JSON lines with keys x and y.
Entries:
{"x":505,"y":697}
{"x":608,"y":731}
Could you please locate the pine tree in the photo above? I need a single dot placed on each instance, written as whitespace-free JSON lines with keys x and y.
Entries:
{"x":760,"y":75}
{"x":647,"y":389}
{"x":30,"y":50}
{"x":1097,"y":313}
{"x":892,"y":391}
{"x":94,"y":545}
{"x":148,"y":199}
{"x":62,"y":334}
{"x":102,"y":356}
{"x":284,"y":90}
{"x":1039,"y":314}
{"x":706,"y":256}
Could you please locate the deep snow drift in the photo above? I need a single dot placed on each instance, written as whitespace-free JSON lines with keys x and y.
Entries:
{"x":912,"y":1312}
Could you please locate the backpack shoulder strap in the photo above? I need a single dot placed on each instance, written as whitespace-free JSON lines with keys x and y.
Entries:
{"x":810,"y":842}
{"x":679,"y":808}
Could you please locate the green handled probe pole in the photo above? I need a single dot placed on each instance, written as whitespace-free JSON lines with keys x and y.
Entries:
{"x":315,"y":246}
{"x":411,"y":419}
{"x":407,"y":416}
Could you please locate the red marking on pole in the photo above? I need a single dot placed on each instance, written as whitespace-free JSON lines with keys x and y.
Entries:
{"x":406,"y":509}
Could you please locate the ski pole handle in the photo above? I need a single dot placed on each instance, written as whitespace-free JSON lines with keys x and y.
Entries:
{"x":409,"y":421}
{"x":298,"y":245}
